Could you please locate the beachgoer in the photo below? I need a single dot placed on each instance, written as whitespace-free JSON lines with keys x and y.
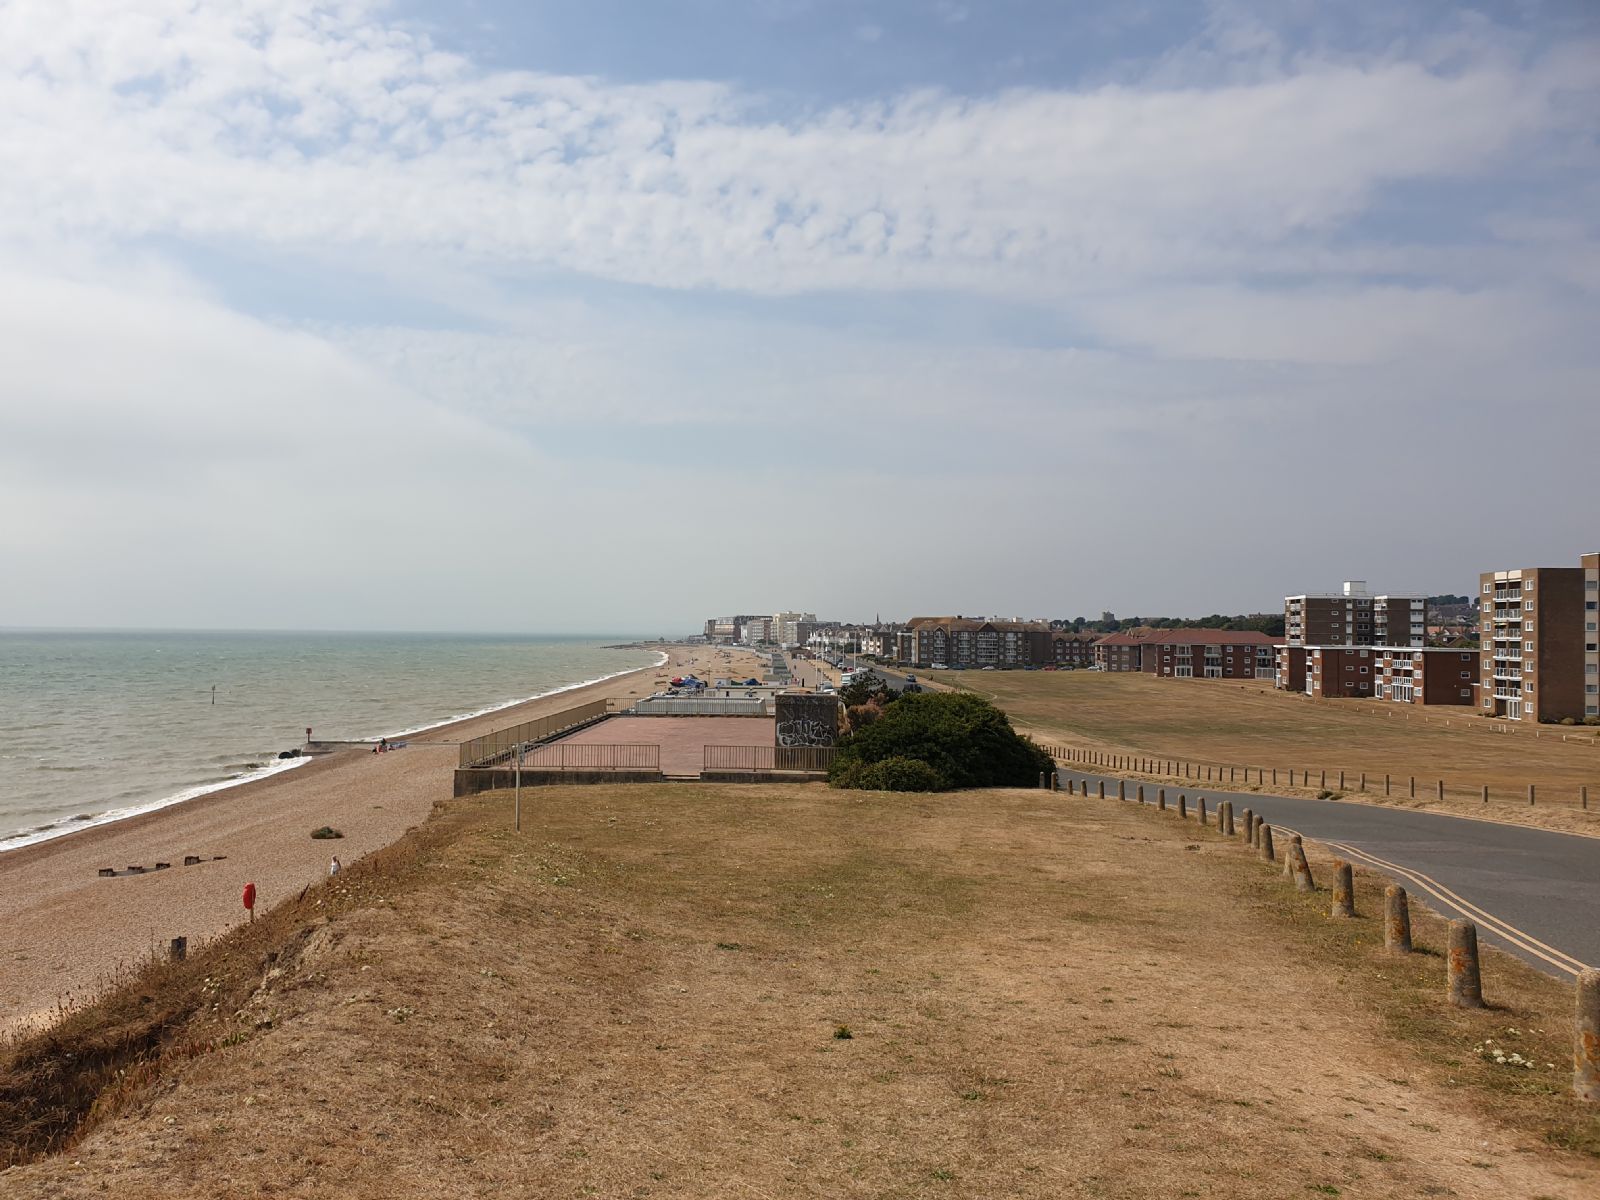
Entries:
{"x":383,"y":745}
{"x":334,"y":867}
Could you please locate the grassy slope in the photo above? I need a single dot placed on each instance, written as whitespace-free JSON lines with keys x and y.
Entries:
{"x":1219,"y":722}
{"x":640,"y":996}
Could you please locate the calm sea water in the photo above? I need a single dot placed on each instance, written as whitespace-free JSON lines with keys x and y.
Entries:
{"x":100,"y":725}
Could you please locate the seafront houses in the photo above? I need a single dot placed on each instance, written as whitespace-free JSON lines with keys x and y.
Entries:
{"x":1189,"y":653}
{"x":1540,"y":642}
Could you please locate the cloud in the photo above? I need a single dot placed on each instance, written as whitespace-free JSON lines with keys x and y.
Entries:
{"x":299,"y":124}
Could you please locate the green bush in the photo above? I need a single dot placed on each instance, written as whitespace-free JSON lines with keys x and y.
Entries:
{"x":325,"y":833}
{"x":1569,"y":720}
{"x":899,"y":775}
{"x":962,"y":739}
{"x":1591,"y":720}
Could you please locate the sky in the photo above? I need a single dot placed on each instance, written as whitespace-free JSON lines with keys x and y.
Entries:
{"x":541,"y":316}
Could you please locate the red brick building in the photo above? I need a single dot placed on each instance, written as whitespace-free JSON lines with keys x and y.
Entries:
{"x":1189,"y":653}
{"x":1402,"y":675}
{"x":1541,"y":642}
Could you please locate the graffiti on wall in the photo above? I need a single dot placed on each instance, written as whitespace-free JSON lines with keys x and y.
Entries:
{"x":803,"y":731}
{"x":807,"y":720}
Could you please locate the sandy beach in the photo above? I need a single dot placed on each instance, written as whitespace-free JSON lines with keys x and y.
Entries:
{"x":65,"y":931}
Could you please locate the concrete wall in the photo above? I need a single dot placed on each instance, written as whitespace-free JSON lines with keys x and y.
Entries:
{"x":807,"y":720}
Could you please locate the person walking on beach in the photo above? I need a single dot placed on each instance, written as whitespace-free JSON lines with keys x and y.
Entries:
{"x":334,"y":867}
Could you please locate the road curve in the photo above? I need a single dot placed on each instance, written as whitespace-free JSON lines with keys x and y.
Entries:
{"x":1533,"y":892}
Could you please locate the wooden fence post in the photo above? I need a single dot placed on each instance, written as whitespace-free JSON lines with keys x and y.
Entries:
{"x":1302,"y":867}
{"x":1161,"y":800}
{"x":1586,"y":1039}
{"x":1344,"y":889}
{"x":1396,"y":920}
{"x":1464,"y":986}
{"x":1530,"y":795}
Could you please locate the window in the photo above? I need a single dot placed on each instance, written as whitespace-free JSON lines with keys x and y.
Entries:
{"x":1466,"y":674}
{"x":1527,"y":606}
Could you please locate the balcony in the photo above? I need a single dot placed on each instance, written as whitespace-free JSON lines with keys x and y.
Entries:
{"x":1509,"y":693}
{"x":1507,"y":673}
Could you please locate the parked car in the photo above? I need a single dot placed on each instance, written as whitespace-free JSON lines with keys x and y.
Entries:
{"x":939,"y":667}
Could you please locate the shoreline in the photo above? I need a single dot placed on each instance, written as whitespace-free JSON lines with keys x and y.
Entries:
{"x":65,"y":931}
{"x":65,"y":827}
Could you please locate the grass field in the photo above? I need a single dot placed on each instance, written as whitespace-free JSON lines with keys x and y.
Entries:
{"x":682,"y":991}
{"x":1225,"y":723}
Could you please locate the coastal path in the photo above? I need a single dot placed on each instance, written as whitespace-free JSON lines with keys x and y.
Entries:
{"x":1533,"y":892}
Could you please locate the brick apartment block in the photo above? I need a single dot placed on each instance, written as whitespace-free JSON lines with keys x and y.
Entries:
{"x":1354,"y":617}
{"x":1188,"y":653}
{"x":1540,"y":655}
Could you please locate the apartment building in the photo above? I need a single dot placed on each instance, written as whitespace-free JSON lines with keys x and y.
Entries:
{"x":1354,"y":617}
{"x":976,"y":642}
{"x":1433,"y":675}
{"x":788,"y":628}
{"x":1540,"y":642}
{"x":1072,"y":649}
{"x":1189,"y":653}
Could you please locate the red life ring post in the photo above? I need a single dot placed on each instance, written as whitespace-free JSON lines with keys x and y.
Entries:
{"x":249,"y":899}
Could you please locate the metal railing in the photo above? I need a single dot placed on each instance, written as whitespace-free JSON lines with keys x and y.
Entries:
{"x":768,"y":758}
{"x":689,"y":706}
{"x":482,"y":751}
{"x":582,"y":756}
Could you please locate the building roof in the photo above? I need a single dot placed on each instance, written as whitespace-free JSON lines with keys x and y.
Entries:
{"x":1188,"y":637}
{"x":974,"y":623}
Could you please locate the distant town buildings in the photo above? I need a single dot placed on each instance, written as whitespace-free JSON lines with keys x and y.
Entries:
{"x":1539,"y":645}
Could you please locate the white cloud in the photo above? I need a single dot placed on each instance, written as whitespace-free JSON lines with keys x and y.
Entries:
{"x":301,"y":124}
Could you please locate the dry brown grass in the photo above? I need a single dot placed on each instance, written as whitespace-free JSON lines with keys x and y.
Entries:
{"x":1220,"y":722}
{"x":642,"y":995}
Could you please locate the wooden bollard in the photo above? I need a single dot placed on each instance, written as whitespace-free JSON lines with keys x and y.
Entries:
{"x":1140,"y":792}
{"x":1041,"y":781}
{"x":1072,"y":786}
{"x":1583,"y":795}
{"x":1274,"y":776}
{"x":1266,"y":844}
{"x":1122,"y":789}
{"x":1202,"y":810}
{"x":1325,"y":779}
{"x":1055,"y":781}
{"x":1486,"y":793}
{"x":1302,"y":867}
{"x":1396,"y":920}
{"x":1249,"y":819}
{"x":1440,"y":793}
{"x":1229,"y":808}
{"x":1344,"y":889}
{"x":1363,"y":781}
{"x":1102,"y":789}
{"x":1413,"y":787}
{"x":1530,"y":795}
{"x":1385,"y":785}
{"x":1465,"y":983}
{"x":1183,"y":807}
{"x":1341,"y":781}
{"x":1161,"y":799}
{"x":179,"y":949}
{"x":1586,"y":1039}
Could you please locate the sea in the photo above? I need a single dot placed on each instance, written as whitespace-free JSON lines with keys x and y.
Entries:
{"x":98,"y":726}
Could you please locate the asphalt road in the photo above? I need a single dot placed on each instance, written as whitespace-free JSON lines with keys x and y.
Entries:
{"x":1531,"y":891}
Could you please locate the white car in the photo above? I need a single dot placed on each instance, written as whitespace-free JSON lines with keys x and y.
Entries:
{"x":938,"y":667}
